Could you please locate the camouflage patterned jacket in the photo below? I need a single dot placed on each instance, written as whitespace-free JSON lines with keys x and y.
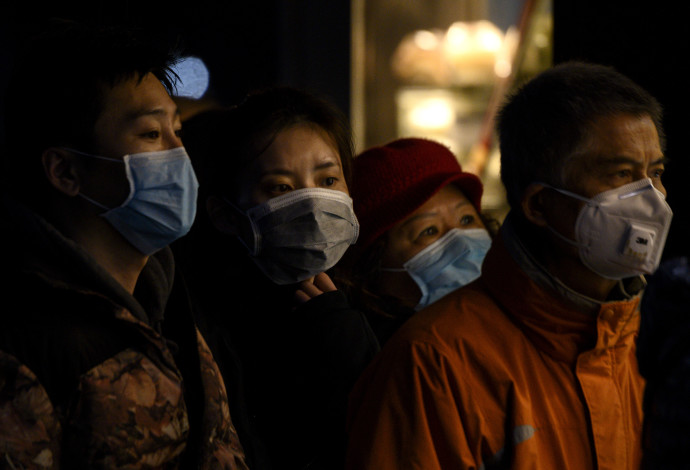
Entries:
{"x":93,"y":377}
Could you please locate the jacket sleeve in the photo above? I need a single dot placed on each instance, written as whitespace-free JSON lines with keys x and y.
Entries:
{"x":406,"y":413}
{"x":30,"y":433}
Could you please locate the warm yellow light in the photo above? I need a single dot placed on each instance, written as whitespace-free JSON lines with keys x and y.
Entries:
{"x":425,"y":40}
{"x":502,"y":68}
{"x":434,"y":113}
{"x":463,"y":37}
{"x":457,"y":34}
{"x":488,"y":37}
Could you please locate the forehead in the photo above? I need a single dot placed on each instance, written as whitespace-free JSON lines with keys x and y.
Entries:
{"x":130,"y":98}
{"x":610,"y":138}
{"x":301,"y":145}
{"x":448,"y":196}
{"x":622,"y":130}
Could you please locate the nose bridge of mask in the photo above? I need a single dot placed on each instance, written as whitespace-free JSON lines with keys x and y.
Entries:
{"x":626,"y":191}
{"x":148,"y":165}
{"x":621,"y":192}
{"x":436,"y":250}
{"x":293,"y":197}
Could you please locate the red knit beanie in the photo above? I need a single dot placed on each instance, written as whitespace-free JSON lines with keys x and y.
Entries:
{"x":392,"y":181}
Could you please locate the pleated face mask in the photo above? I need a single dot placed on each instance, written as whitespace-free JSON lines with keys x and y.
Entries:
{"x":161,"y":204}
{"x":300,"y":234}
{"x":452,"y":261}
{"x":621,"y":232}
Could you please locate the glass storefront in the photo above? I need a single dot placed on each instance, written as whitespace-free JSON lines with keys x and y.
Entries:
{"x":440,"y":69}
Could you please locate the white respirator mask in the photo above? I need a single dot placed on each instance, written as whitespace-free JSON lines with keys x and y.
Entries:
{"x":621,"y":232}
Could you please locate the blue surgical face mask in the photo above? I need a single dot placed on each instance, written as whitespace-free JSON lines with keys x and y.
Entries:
{"x":452,"y":261}
{"x":161,"y":204}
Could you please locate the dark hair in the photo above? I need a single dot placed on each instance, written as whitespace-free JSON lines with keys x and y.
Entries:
{"x":222,"y":142}
{"x":61,"y":74}
{"x":545,"y":122}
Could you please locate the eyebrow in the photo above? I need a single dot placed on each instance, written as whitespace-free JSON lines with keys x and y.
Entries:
{"x":618,"y":159}
{"x":138,"y":113}
{"x":282,"y":171}
{"x":326,"y":165}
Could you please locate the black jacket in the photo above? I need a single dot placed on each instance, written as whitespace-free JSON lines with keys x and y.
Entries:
{"x":664,"y":358}
{"x":289,"y":368}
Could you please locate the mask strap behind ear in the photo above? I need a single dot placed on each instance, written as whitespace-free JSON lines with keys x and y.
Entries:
{"x":393,"y":270}
{"x":567,"y":193}
{"x":563,"y":237}
{"x":94,"y":202}
{"x":253,"y":247}
{"x":92,"y":156}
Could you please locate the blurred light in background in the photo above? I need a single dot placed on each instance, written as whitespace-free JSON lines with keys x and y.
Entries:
{"x":432,"y":114}
{"x":194,"y":77}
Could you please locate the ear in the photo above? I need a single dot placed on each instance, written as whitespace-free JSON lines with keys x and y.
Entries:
{"x":533,"y":204}
{"x":59,"y":168}
{"x":221,"y":217}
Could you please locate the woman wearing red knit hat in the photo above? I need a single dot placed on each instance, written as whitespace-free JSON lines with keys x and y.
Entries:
{"x":421,"y":232}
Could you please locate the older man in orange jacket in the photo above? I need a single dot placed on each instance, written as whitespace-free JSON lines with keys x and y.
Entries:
{"x":533,"y":365}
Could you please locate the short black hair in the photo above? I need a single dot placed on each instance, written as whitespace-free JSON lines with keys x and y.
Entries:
{"x":61,"y":72}
{"x":545,"y":121}
{"x":222,"y":142}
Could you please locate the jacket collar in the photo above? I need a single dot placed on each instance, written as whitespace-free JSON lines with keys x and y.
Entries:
{"x":557,"y":319}
{"x":41,"y":251}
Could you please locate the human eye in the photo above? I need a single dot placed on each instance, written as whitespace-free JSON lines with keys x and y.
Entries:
{"x":656,"y":173}
{"x":427,"y":232}
{"x":619,"y":176}
{"x":467,"y":219}
{"x":152,"y":134}
{"x":280,"y":188}
{"x":623,"y":173}
{"x":328,"y":176}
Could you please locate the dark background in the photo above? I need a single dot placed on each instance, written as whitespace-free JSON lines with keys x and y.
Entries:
{"x":245,"y":44}
{"x":647,"y":41}
{"x":306,"y":43}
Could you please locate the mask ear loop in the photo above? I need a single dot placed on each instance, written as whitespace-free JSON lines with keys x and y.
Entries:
{"x":82,"y":195}
{"x":91,"y":155}
{"x":93,"y":201}
{"x":254,"y":246}
{"x":393,"y":270}
{"x":575,"y":196}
